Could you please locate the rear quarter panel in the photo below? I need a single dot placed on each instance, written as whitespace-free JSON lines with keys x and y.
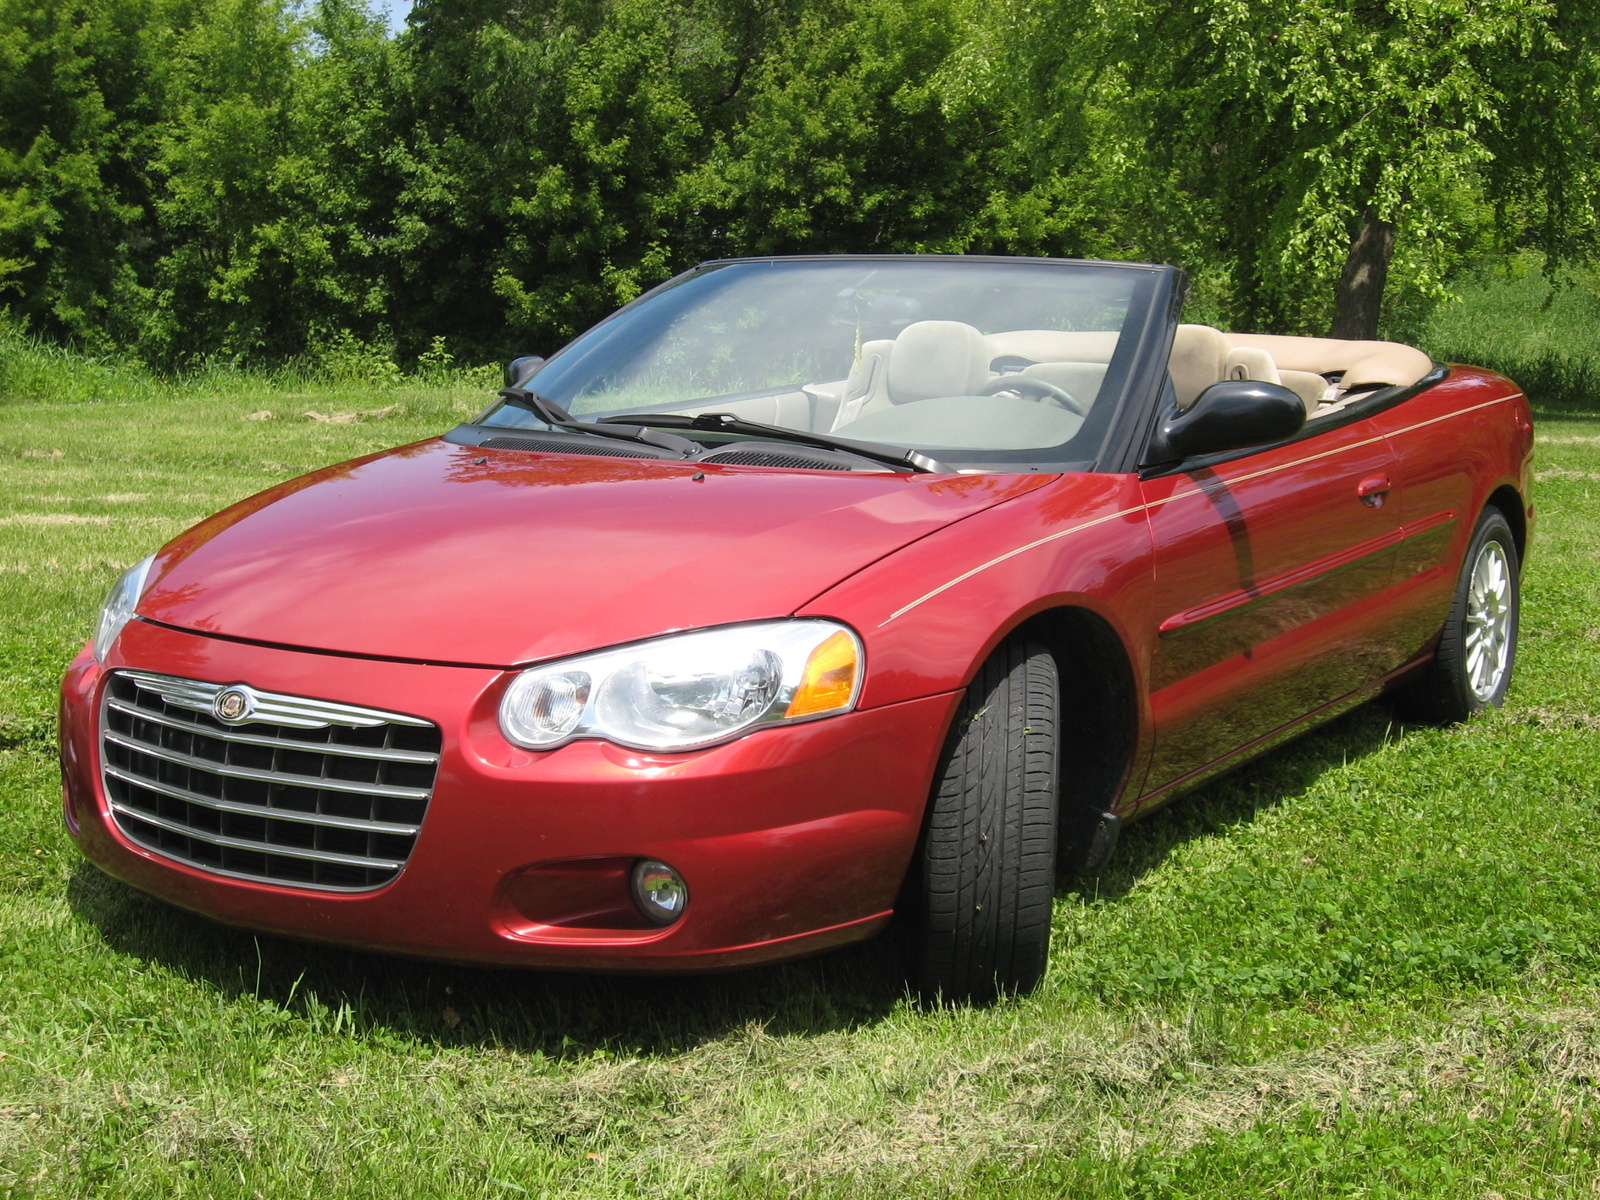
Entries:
{"x":1457,"y":443}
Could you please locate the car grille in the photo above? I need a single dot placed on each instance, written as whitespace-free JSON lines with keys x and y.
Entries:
{"x":298,"y":792}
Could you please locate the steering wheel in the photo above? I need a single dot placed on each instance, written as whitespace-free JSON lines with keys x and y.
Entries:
{"x":1043,"y":390}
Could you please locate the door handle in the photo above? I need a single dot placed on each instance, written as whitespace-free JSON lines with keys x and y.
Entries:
{"x":1374,"y":490}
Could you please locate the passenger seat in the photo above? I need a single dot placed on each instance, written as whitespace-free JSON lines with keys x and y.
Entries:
{"x":1251,"y":362}
{"x":927,"y":359}
{"x":1202,"y":356}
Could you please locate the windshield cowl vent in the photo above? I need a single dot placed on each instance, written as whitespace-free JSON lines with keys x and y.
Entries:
{"x":574,"y":446}
{"x":780,"y":458}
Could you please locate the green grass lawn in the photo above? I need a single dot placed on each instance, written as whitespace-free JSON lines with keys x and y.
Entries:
{"x":1367,"y":965}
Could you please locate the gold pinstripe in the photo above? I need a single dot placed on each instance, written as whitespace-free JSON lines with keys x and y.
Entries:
{"x":1138,"y":508}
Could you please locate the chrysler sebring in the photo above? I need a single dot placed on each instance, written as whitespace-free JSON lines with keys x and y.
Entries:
{"x":797,"y":593}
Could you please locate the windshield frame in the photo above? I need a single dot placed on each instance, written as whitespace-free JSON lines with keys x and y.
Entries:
{"x":1133,"y":379}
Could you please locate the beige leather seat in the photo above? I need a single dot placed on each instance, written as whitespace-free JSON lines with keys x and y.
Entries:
{"x":1202,"y":355}
{"x":937,"y":358}
{"x":1363,"y":364}
{"x":1246,"y":362}
{"x":1199,"y":359}
{"x":864,"y":389}
{"x":1252,"y":362}
{"x":928,"y":359}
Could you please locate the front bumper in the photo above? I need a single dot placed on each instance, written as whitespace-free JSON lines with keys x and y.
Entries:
{"x":791,"y":840}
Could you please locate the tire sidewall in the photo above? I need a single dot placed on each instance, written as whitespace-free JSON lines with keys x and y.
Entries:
{"x":985,"y":866}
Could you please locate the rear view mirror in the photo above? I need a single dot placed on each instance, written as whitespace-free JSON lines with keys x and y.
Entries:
{"x":1231,"y":415}
{"x":520,"y":370}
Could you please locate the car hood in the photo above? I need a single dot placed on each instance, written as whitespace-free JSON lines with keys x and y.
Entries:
{"x":454,"y":554}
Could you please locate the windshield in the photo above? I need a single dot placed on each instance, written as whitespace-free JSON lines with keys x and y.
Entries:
{"x":972,"y":361}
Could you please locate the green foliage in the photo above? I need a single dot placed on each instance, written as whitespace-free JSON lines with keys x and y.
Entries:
{"x":1290,"y":122}
{"x":81,"y":83}
{"x":848,"y":141}
{"x":252,"y":180}
{"x":35,"y":371}
{"x":266,"y":192}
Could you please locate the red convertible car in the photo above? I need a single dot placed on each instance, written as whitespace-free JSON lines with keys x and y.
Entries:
{"x":797,"y":592}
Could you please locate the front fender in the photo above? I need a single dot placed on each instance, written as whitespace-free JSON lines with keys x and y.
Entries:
{"x":932,"y":612}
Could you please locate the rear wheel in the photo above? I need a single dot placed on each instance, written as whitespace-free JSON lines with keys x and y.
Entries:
{"x":986,"y":865}
{"x":1472,"y":666}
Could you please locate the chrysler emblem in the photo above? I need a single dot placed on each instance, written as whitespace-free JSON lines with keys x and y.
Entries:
{"x":231,"y":705}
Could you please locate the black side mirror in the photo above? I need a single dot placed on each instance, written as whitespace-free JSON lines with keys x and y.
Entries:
{"x":1230,"y":415}
{"x":519,"y":370}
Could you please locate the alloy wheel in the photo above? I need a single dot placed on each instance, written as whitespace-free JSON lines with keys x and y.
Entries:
{"x":1488,"y":620}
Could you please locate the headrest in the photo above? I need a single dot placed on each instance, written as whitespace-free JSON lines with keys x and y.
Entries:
{"x":937,"y":358}
{"x":1247,"y":362}
{"x":1199,"y":359}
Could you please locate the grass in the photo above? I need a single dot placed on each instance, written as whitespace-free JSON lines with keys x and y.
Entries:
{"x":1513,"y":317}
{"x":1367,"y":965}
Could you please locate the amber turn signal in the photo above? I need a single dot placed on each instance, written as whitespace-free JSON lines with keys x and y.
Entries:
{"x":829,"y":680}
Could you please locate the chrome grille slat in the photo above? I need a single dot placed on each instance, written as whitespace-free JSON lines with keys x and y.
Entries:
{"x":217,"y":839}
{"x":278,"y":777}
{"x":297,"y":711}
{"x":257,"y":810}
{"x":237,"y":735}
{"x":281,"y":789}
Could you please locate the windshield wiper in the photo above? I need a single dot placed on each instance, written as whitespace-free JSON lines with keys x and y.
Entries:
{"x":893,"y":456}
{"x":553,"y":415}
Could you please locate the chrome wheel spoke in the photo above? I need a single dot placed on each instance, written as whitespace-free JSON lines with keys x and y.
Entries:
{"x":1487,"y":636}
{"x":1475,"y":664}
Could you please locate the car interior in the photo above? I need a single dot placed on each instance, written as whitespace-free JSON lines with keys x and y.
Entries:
{"x":944,"y":383}
{"x":1326,"y":373}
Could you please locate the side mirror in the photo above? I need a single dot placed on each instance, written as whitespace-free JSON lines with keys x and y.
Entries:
{"x":519,"y":370}
{"x":1230,"y":415}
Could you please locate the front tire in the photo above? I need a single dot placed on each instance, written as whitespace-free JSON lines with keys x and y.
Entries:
{"x":1471,"y":668}
{"x":986,"y":864}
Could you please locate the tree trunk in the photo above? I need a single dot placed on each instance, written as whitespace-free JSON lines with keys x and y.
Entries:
{"x":1361,"y":283}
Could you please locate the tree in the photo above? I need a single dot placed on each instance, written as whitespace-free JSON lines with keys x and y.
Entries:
{"x":272,"y":205}
{"x":851,"y":138}
{"x":81,"y":87}
{"x":1333,"y":142}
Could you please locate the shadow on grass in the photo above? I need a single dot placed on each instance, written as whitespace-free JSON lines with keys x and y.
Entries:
{"x":1236,"y":798}
{"x":553,"y":1013}
{"x":562,"y":1016}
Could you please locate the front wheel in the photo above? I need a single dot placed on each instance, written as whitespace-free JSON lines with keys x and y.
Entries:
{"x":1471,"y":668}
{"x":986,"y":865}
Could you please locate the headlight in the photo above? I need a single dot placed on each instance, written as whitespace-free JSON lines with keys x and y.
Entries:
{"x":689,"y":689}
{"x":118,"y":608}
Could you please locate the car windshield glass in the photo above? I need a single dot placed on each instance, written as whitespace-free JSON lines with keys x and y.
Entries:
{"x":970,"y":360}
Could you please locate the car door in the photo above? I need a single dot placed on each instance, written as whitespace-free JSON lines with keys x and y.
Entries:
{"x":1270,"y":569}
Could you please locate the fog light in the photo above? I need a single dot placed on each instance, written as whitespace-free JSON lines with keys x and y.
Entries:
{"x":659,"y":891}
